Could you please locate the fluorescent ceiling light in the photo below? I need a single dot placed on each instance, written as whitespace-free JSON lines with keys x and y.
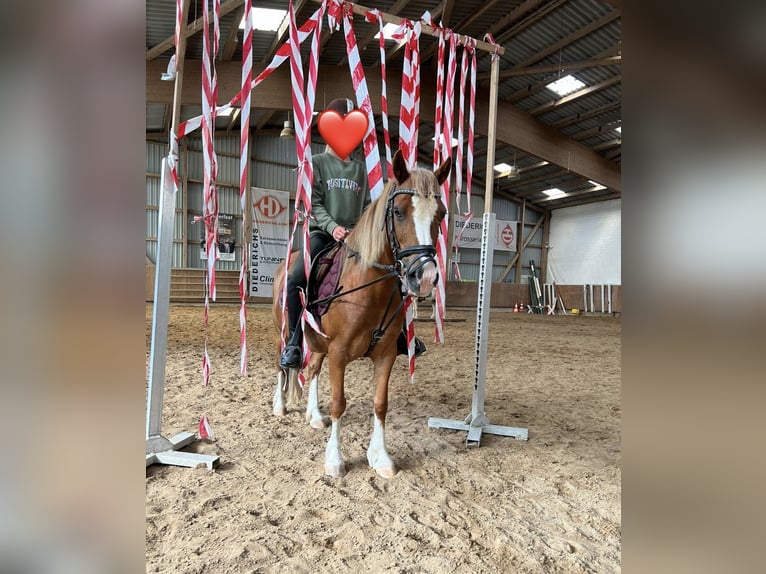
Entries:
{"x":503,"y":167}
{"x":388,"y":31}
{"x":554,"y":193}
{"x":266,"y":19}
{"x":565,"y":85}
{"x":618,"y":130}
{"x":224,"y":112}
{"x":597,"y":186}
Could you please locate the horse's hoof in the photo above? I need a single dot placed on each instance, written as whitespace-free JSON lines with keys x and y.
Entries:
{"x":386,"y":471}
{"x":280,"y":411}
{"x":335,"y":471}
{"x":318,"y":423}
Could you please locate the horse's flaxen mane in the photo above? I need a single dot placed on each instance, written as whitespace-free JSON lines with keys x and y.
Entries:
{"x":369,"y":235}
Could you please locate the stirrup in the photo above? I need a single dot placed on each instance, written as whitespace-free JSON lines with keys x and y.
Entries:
{"x":401,"y":346}
{"x":291,"y":357}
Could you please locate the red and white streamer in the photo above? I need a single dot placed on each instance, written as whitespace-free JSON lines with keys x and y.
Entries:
{"x":409,"y":326}
{"x":244,"y":162}
{"x":409,"y":32}
{"x":372,"y":16}
{"x":303,"y":107}
{"x":445,"y":151}
{"x":210,"y":169}
{"x":469,"y":48}
{"x":205,"y":430}
{"x":370,"y":141}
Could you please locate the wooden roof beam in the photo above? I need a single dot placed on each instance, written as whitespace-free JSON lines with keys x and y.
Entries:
{"x":230,"y":44}
{"x":552,"y":104}
{"x":190,"y":30}
{"x":578,"y":117}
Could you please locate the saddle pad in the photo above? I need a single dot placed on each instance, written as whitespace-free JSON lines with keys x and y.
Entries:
{"x":325,"y":274}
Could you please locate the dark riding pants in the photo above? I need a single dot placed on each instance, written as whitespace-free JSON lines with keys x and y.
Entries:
{"x":296,"y":280}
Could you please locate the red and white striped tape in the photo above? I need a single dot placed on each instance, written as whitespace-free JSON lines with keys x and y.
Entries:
{"x":469,"y":48}
{"x":409,"y":32}
{"x":303,"y":106}
{"x":372,"y":16}
{"x":439,"y":98}
{"x":409,"y":326}
{"x":210,"y":169}
{"x":441,"y":246}
{"x":362,"y":94}
{"x":205,"y":430}
{"x":244,"y":164}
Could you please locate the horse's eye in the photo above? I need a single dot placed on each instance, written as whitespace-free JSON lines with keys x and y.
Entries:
{"x":398,"y":213}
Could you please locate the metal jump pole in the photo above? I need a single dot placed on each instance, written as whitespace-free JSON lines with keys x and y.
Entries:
{"x":477,"y":422}
{"x":161,"y":450}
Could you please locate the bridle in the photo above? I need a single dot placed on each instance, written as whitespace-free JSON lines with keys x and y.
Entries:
{"x":421,"y":255}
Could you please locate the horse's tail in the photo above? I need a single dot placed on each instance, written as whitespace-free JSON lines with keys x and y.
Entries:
{"x":294,"y":392}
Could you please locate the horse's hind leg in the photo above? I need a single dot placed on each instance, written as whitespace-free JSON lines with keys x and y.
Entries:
{"x":377,"y":455}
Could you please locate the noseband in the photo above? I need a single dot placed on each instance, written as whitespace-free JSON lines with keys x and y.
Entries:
{"x":420,"y":255}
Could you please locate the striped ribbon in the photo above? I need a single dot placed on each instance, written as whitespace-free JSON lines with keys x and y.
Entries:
{"x":303,"y":106}
{"x":441,"y":246}
{"x":372,"y":16}
{"x":408,"y":136}
{"x":439,"y":98}
{"x":409,"y":325}
{"x":469,"y":47}
{"x":210,"y":169}
{"x":244,"y":161}
{"x":409,"y":33}
{"x":362,"y":94}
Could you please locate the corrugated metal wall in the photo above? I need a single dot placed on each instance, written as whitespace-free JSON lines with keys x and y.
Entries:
{"x":273,"y":167}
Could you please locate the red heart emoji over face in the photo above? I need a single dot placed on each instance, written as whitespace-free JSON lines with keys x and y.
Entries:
{"x":342,"y":134}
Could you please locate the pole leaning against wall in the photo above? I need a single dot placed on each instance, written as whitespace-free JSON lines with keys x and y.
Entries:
{"x":477,"y":422}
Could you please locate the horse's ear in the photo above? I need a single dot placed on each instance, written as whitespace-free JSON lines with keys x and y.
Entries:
{"x":401,"y":173}
{"x":443,"y":172}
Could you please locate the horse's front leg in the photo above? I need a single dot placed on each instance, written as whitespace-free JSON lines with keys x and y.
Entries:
{"x":333,"y":458}
{"x":313,"y":415}
{"x":377,"y":455}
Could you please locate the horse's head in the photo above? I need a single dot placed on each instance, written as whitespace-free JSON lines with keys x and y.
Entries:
{"x":414,"y":210}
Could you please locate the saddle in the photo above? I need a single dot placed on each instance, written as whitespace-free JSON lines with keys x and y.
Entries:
{"x":325,"y":274}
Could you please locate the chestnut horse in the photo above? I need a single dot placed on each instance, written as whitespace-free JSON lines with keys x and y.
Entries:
{"x":389,"y":255}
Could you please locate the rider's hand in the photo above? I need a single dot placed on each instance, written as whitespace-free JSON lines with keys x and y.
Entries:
{"x":340,"y":233}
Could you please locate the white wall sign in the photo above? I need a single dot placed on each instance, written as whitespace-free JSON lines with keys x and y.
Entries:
{"x":505,"y":233}
{"x":270,"y":234}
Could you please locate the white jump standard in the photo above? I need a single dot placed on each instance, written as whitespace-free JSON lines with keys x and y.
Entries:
{"x":477,"y":422}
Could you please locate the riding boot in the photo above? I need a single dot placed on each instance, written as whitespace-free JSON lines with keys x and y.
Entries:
{"x":401,"y":345}
{"x":292,"y":354}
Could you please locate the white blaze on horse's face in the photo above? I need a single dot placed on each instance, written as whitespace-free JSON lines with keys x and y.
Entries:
{"x":423,"y":212}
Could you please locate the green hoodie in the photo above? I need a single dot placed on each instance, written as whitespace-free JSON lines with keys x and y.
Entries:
{"x":340,"y":193}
